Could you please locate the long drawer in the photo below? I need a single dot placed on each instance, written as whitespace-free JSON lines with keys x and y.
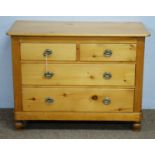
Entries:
{"x":78,"y":99}
{"x":79,"y":74}
{"x":108,"y":52}
{"x":57,"y":51}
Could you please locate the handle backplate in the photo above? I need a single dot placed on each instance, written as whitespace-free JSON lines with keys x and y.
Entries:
{"x":48,"y":75}
{"x":47,"y":52}
{"x":49,"y":100}
{"x":106,"y":101}
{"x":107,"y":53}
{"x":107,"y":75}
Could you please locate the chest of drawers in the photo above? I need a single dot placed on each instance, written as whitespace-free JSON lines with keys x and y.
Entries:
{"x":81,"y":71}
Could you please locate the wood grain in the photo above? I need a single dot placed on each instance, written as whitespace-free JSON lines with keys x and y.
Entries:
{"x":34,"y":51}
{"x":79,"y":74}
{"x":78,"y":99}
{"x":120,"y":52}
{"x":79,"y":39}
{"x":78,"y":116}
{"x":78,"y":87}
{"x":75,"y":62}
{"x":44,"y":28}
{"x":139,"y":75}
{"x":17,"y":84}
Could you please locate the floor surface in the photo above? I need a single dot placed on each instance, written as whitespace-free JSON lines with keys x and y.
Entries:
{"x":76,"y":130}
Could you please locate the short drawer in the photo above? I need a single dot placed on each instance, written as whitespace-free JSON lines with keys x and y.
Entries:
{"x":78,"y":99}
{"x":39,"y":51}
{"x":79,"y":74}
{"x":108,"y":52}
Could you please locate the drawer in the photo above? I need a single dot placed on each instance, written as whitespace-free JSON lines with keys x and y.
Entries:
{"x":78,"y":99}
{"x":37,"y":51}
{"x":108,"y":52}
{"x":79,"y":74}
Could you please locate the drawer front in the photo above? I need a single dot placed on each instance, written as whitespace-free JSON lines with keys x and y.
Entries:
{"x":108,"y":52}
{"x":78,"y":99}
{"x":37,"y":51}
{"x":79,"y":74}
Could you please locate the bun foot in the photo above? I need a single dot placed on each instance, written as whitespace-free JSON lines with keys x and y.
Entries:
{"x":20,"y":124}
{"x":136,"y":126}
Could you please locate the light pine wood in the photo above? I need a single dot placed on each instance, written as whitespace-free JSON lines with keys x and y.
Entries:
{"x":16,"y":74}
{"x":136,"y":126}
{"x":34,"y":51}
{"x":76,"y":62}
{"x":44,"y":28}
{"x":78,"y":86}
{"x":78,"y":116}
{"x":120,"y":52}
{"x":20,"y":124}
{"x":79,"y":74}
{"x":139,"y":75}
{"x":79,"y":39}
{"x":78,"y":99}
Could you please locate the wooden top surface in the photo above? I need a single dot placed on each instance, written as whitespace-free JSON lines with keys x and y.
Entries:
{"x":44,"y":28}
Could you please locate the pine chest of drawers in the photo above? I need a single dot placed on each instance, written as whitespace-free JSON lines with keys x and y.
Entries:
{"x":85,"y":71}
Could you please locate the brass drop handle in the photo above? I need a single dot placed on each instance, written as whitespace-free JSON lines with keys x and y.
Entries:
{"x":49,"y":100}
{"x":47,"y":52}
{"x":107,"y":53}
{"x":48,"y":75}
{"x":107,"y":75}
{"x":106,"y":101}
